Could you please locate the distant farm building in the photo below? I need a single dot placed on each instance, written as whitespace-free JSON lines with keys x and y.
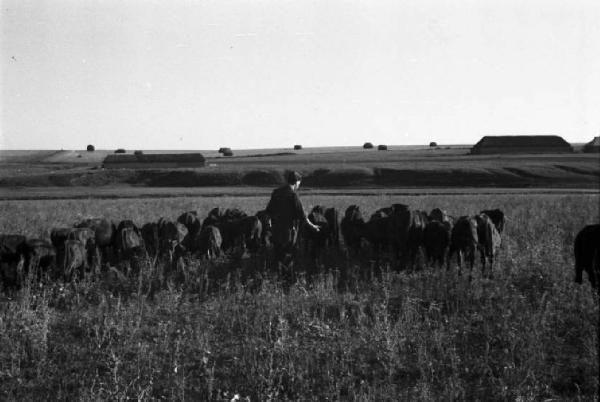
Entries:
{"x":154,"y":161}
{"x":523,"y":144}
{"x":593,"y":145}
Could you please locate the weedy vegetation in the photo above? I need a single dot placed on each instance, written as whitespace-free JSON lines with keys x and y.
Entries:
{"x":349,"y":329}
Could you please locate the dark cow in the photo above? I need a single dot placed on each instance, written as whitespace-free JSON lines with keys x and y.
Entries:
{"x":267,"y":227}
{"x":40,"y":256}
{"x":436,"y":239}
{"x":587,"y":254}
{"x":488,"y":240}
{"x":235,"y":227}
{"x":248,"y":233}
{"x":11,"y":244}
{"x":104,"y":231}
{"x":315,"y":241}
{"x":128,"y":240}
{"x":439,"y":215}
{"x":406,"y":229}
{"x":86,"y":236}
{"x":234,"y":214}
{"x":333,"y":219}
{"x":191,"y":222}
{"x":170,"y":235}
{"x":11,"y":258}
{"x":58,"y":236}
{"x":497,"y":217}
{"x":376,"y":232}
{"x":382,"y":213}
{"x":151,"y":239}
{"x":464,"y":242}
{"x":207,"y":243}
{"x":352,"y":227}
{"x":73,"y":260}
{"x":214,"y":216}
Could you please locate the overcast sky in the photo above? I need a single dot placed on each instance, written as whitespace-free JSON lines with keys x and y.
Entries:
{"x":272,"y":73}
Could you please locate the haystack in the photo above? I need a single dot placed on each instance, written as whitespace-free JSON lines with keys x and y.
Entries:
{"x":593,"y":145}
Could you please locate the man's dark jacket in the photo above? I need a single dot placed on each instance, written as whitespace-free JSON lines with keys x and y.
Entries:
{"x":285,"y":210}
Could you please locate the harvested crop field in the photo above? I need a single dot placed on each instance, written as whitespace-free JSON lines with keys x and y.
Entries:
{"x":349,"y":167}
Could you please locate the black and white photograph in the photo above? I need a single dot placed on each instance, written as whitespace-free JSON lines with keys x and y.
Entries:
{"x":299,"y":200}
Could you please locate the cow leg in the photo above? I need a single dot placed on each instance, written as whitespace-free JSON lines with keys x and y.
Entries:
{"x":482,"y":258}
{"x":592,"y":276}
{"x":471,"y":257}
{"x":449,"y":258}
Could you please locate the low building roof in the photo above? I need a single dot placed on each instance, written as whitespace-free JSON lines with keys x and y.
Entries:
{"x":522,"y":141}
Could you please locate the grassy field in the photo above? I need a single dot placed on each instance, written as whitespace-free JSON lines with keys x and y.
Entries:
{"x":353,"y":331}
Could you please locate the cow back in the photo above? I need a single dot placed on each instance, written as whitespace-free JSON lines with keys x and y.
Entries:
{"x":104,"y":230}
{"x":11,"y":246}
{"x":488,"y":236}
{"x":352,"y":227}
{"x":74,"y":256}
{"x":464,"y":233}
{"x":150,"y":237}
{"x":209,"y":241}
{"x":191,"y":221}
{"x":128,"y":238}
{"x":439,"y":215}
{"x":497,"y":217}
{"x":333,"y":219}
{"x":86,"y":236}
{"x":58,"y":236}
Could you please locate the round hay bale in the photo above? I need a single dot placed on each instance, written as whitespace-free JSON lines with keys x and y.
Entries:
{"x":228,"y":152}
{"x":367,"y":145}
{"x":222,"y":150}
{"x":433,"y":144}
{"x":138,"y":152}
{"x":120,"y":151}
{"x":382,"y":147}
{"x":91,"y":148}
{"x":297,"y":147}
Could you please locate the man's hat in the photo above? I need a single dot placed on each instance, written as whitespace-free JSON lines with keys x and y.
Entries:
{"x":292,"y":177}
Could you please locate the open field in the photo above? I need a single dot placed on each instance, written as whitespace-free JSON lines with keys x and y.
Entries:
{"x":354,"y":331}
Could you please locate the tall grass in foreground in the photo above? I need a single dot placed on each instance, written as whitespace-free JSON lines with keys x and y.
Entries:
{"x":352,"y":332}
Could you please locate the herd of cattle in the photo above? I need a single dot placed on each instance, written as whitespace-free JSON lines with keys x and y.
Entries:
{"x":399,"y":230}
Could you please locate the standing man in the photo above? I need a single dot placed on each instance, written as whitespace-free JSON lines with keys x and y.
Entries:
{"x":286,"y":212}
